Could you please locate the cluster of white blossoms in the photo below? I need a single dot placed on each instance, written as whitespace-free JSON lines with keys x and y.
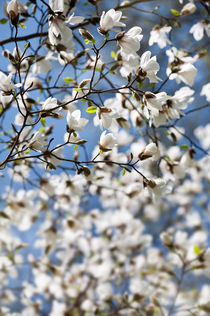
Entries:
{"x":104,"y":197}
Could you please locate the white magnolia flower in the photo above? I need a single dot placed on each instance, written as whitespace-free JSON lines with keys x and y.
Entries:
{"x":38,"y":141}
{"x":178,"y":102}
{"x":198,"y":29}
{"x":130,"y":63}
{"x":57,"y":5}
{"x":75,"y":122}
{"x":110,"y":19}
{"x":130,"y":41}
{"x":42,"y":65}
{"x":54,"y":158}
{"x":158,"y":35}
{"x":59,"y":33}
{"x":206,"y":91}
{"x":184,"y":72}
{"x":148,"y":67}
{"x":107,"y":141}
{"x":154,"y":103}
{"x":51,"y":104}
{"x":149,"y":151}
{"x":188,"y":8}
{"x":7,"y":86}
{"x":202,"y":133}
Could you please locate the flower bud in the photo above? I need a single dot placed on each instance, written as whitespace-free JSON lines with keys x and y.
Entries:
{"x":12,"y":10}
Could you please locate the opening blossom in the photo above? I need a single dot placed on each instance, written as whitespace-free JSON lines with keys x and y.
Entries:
{"x":158,"y":35}
{"x":51,"y":104}
{"x":107,"y":141}
{"x":110,"y":19}
{"x":130,"y":41}
{"x":7,"y":86}
{"x":75,"y":122}
{"x":148,"y":67}
{"x":197,"y":30}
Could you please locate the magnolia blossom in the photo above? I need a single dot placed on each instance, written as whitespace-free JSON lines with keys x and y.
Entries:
{"x":154,"y":103}
{"x":75,"y":122}
{"x":149,"y":151}
{"x":198,"y":30}
{"x":42,"y":64}
{"x":130,"y":41}
{"x":110,"y":19}
{"x":178,"y":102}
{"x":54,"y":158}
{"x":59,"y":33}
{"x":202,"y":133}
{"x":7,"y":86}
{"x":158,"y":35}
{"x":38,"y":141}
{"x":129,"y":63}
{"x":206,"y":91}
{"x":107,"y":141}
{"x":188,"y":8}
{"x":184,"y":72}
{"x":50,"y":108}
{"x":148,"y":67}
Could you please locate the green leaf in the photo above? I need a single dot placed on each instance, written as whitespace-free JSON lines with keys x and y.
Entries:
{"x":184,"y":146}
{"x":75,"y":147}
{"x":43,"y":121}
{"x":175,"y":12}
{"x":22,"y":25}
{"x":32,"y":58}
{"x":3,"y":21}
{"x":86,"y":41}
{"x":166,"y":133}
{"x":197,"y":250}
{"x":123,"y":172}
{"x":77,"y":89}
{"x":27,"y":152}
{"x":75,"y":134}
{"x":27,"y":46}
{"x":68,"y":79}
{"x":41,"y":130}
{"x":113,"y":54}
{"x":91,"y":109}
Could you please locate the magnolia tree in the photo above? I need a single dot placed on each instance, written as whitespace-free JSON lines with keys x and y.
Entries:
{"x":104,"y":158}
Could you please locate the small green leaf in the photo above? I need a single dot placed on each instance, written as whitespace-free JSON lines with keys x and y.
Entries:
{"x":86,"y":41}
{"x":175,"y":12}
{"x":123,"y":172}
{"x":32,"y":58}
{"x":75,"y":134}
{"x":41,"y":130}
{"x":133,"y":95}
{"x":27,"y":152}
{"x":166,"y":133}
{"x":38,"y":99}
{"x":43,"y":121}
{"x":107,"y":35}
{"x":197,"y":250}
{"x":77,"y":89}
{"x":184,"y":146}
{"x":3,"y":21}
{"x":22,"y":25}
{"x":75,"y":147}
{"x":68,"y":79}
{"x":27,"y":45}
{"x":113,"y":54}
{"x":91,"y":109}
